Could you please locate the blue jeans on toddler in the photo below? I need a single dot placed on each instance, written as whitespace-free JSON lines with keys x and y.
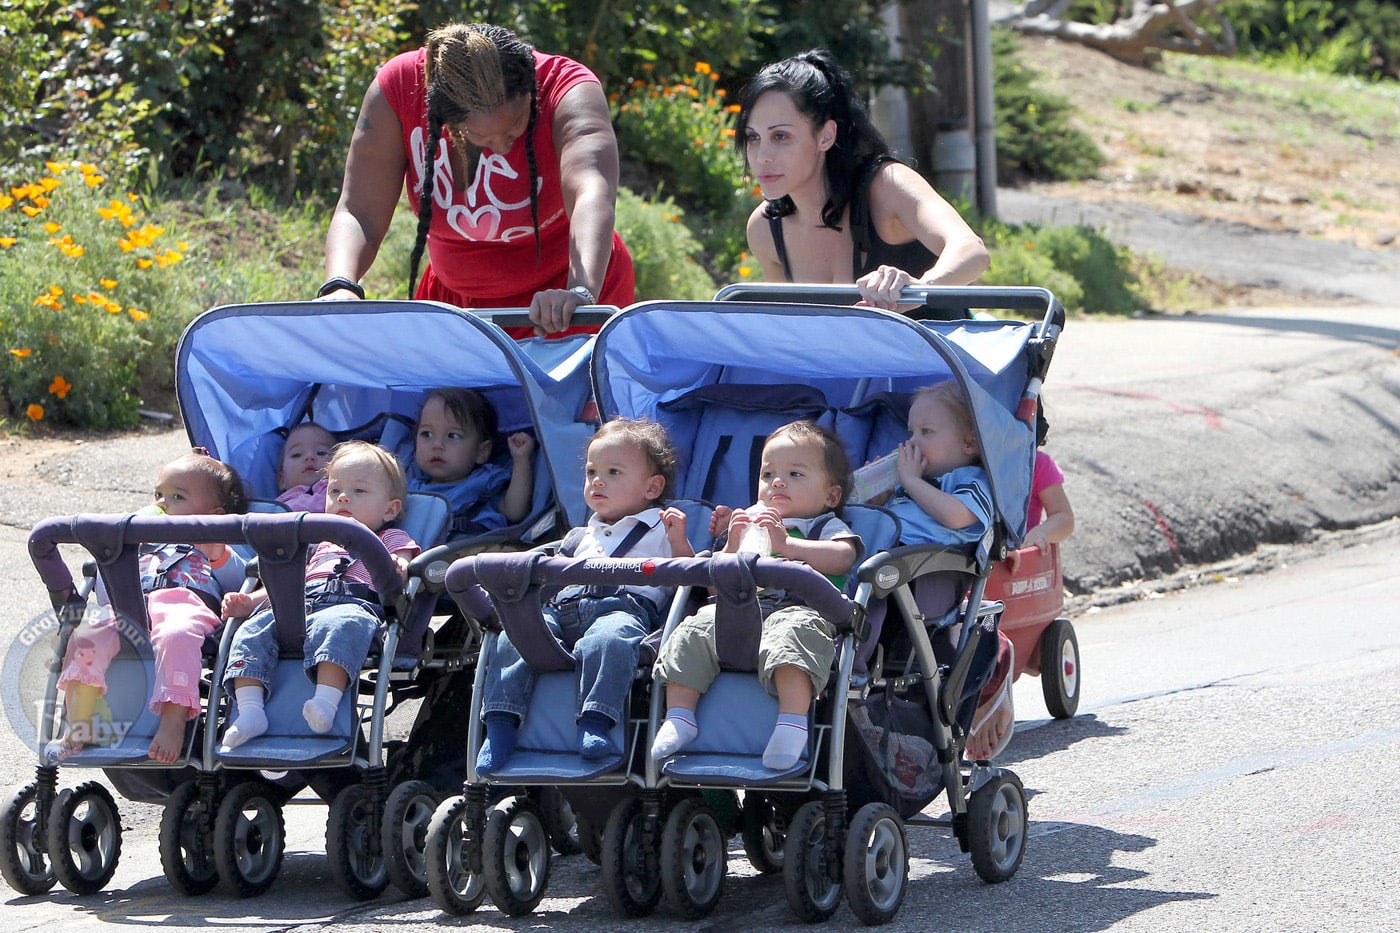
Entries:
{"x":340,"y":629}
{"x":605,"y":635}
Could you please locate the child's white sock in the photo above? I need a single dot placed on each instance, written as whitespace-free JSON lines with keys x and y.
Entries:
{"x":788,"y":742}
{"x":252,"y":718}
{"x":319,"y":711}
{"x":678,"y":731}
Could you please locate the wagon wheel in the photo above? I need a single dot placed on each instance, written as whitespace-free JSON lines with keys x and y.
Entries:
{"x":452,"y":883}
{"x":23,"y":861}
{"x":84,"y":837}
{"x":186,"y":847}
{"x":249,"y":838}
{"x":875,"y":866}
{"x":1059,"y":669}
{"x":404,"y":835}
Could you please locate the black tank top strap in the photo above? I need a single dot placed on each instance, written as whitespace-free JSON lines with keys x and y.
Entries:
{"x":775,"y":226}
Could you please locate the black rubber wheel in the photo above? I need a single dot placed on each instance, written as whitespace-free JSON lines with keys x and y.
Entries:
{"x":84,"y":838}
{"x":186,"y":846}
{"x":404,"y":835}
{"x":629,"y":886}
{"x":875,"y":865}
{"x":23,"y":861}
{"x":351,"y":829}
{"x":693,"y":859}
{"x":590,"y":838}
{"x":560,"y":821}
{"x":515,"y":855}
{"x":1059,"y":669}
{"x":454,"y":886}
{"x":997,"y":823}
{"x":811,"y":893}
{"x":250,"y":838}
{"x":764,"y":830}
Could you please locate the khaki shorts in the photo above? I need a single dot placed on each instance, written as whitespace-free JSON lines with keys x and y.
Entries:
{"x":795,"y":635}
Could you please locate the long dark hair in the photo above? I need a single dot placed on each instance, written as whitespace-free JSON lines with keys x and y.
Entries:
{"x":471,"y":67}
{"x":822,"y":90}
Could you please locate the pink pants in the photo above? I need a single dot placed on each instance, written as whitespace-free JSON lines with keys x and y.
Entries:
{"x":180,"y":620}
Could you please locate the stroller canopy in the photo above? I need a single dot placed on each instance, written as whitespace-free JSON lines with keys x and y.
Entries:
{"x":247,"y":373}
{"x":690,"y":364}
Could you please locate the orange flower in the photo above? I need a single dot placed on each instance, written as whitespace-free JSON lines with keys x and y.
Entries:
{"x":144,"y":263}
{"x":60,"y":387}
{"x":35,"y":412}
{"x":56,"y":168}
{"x":7,"y":241}
{"x":52,"y":227}
{"x":21,"y":354}
{"x":31,"y":211}
{"x":93,"y":180}
{"x":5,"y":201}
{"x":48,"y":184}
{"x":40,"y":200}
{"x":108,"y":284}
{"x":137,"y":314}
{"x":702,"y":68}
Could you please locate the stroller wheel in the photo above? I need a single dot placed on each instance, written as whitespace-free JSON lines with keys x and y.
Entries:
{"x":559,"y":820}
{"x":186,"y":844}
{"x":454,"y":886}
{"x":997,"y":824}
{"x":875,"y":866}
{"x":351,"y":844}
{"x":84,"y":837}
{"x":404,"y":835}
{"x":515,"y":857}
{"x":1059,"y":669}
{"x":693,"y":853}
{"x":813,"y":892}
{"x":22,"y":859}
{"x":764,"y":831}
{"x":631,"y":883}
{"x":590,"y":839}
{"x":249,"y":838}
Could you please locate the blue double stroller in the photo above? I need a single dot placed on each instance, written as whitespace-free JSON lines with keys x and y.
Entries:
{"x":889,"y":730}
{"x":246,"y":375}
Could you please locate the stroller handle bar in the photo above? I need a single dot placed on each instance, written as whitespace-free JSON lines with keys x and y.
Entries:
{"x":938,"y":297}
{"x":510,"y":576}
{"x":584,"y":316}
{"x":276,"y":538}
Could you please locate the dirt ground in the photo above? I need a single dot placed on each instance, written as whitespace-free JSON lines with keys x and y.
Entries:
{"x":1231,"y":149}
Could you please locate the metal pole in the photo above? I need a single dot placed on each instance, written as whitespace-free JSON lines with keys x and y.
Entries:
{"x":984,"y":126}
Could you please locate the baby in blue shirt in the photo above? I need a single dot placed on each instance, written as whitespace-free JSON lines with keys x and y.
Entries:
{"x":943,"y":495}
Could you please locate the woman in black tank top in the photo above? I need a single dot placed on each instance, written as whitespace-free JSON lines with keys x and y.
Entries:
{"x":831,"y":184}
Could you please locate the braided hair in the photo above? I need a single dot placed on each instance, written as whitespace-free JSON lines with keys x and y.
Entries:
{"x":469,"y":68}
{"x":822,"y":90}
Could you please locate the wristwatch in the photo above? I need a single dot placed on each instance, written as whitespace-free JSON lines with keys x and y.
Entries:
{"x":584,"y":292}
{"x":337,"y":283}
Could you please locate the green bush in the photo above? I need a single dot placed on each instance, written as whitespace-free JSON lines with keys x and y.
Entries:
{"x":663,"y":249}
{"x":682,"y":131}
{"x":1035,"y":138}
{"x":1084,"y":270}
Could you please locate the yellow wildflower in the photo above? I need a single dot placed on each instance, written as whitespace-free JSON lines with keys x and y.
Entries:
{"x":55,"y":168}
{"x":144,"y":263}
{"x":702,"y":68}
{"x":93,"y":180}
{"x":21,"y":353}
{"x":108,"y":284}
{"x":31,"y":211}
{"x":5,"y":201}
{"x":48,"y":184}
{"x":7,"y":241}
{"x":137,"y":314}
{"x":52,"y":227}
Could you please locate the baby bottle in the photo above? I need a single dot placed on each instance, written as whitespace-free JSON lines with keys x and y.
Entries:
{"x":755,"y":537}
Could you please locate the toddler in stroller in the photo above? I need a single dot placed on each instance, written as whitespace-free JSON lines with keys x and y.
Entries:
{"x":301,"y":476}
{"x":804,"y":478}
{"x":183,"y":584}
{"x":363,"y":482}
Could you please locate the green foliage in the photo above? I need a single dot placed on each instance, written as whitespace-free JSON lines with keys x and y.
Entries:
{"x":681,"y":130}
{"x":663,"y":249}
{"x":1356,"y":37}
{"x":1035,"y":136}
{"x":1084,"y":270}
{"x":100,"y":282}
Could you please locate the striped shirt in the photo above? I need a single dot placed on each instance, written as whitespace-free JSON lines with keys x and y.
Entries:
{"x":327,"y":555}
